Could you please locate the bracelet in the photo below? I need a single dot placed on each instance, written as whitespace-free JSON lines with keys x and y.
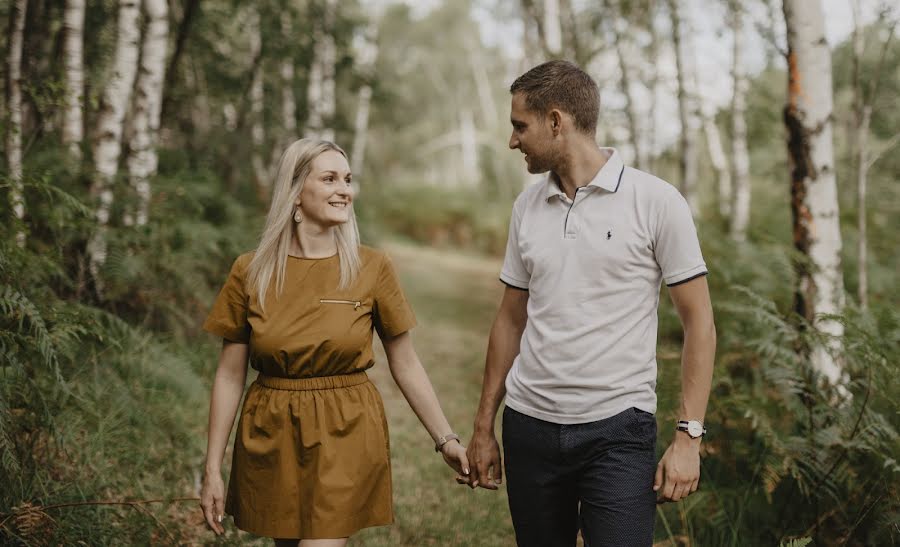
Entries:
{"x":444,"y":440}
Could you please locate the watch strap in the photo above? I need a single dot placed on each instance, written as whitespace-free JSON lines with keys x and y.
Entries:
{"x":444,"y":440}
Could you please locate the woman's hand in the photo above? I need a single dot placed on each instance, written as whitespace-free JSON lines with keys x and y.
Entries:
{"x":454,"y":454}
{"x":212,"y":500}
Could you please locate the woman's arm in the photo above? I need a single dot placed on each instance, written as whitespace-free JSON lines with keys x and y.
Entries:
{"x":413,"y":381}
{"x":228,"y":387}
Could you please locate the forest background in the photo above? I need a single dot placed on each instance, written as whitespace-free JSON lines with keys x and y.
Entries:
{"x":140,"y":139}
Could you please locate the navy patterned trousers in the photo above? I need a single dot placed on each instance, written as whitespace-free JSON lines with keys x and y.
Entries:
{"x":597,"y":476}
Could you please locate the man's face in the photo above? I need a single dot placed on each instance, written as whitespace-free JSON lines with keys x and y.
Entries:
{"x":532,"y":135}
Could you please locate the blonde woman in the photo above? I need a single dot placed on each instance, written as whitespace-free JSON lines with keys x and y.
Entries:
{"x":311,"y":462}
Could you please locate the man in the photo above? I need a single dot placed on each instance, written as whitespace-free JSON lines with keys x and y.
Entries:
{"x":573,"y":346}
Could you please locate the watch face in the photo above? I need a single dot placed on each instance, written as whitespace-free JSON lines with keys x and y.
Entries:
{"x":695,"y":429}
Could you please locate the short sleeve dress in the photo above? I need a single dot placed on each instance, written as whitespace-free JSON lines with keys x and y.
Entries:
{"x":311,"y":456}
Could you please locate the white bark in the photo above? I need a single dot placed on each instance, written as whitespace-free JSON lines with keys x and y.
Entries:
{"x":14,"y":106}
{"x":468,"y":147}
{"x":107,"y":144}
{"x":257,"y":98}
{"x":740,"y":155}
{"x":719,"y":163}
{"x":73,"y":63}
{"x":817,"y":234}
{"x":552,"y":27}
{"x":367,"y":55}
{"x":320,"y":92}
{"x":620,"y":32}
{"x":142,"y":160}
{"x":288,"y":102}
{"x":688,"y":144}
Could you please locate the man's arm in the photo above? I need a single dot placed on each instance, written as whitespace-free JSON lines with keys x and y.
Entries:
{"x":503,"y":347}
{"x":678,"y":472}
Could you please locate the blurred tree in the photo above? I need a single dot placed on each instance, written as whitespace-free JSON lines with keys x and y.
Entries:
{"x":321,"y":86}
{"x":739,"y":210}
{"x":73,"y":56}
{"x":814,"y":204}
{"x":108,"y":134}
{"x":14,"y":112}
{"x":863,"y":99}
{"x":687,"y":164}
{"x":142,"y":159}
{"x":367,"y":54}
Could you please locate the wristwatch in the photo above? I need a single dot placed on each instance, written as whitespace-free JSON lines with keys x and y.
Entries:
{"x":693,"y":428}
{"x":444,"y":440}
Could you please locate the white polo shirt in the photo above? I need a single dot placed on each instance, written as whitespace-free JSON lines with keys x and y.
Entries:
{"x":593,"y":267}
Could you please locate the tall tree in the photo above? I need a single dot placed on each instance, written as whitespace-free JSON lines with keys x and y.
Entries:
{"x":863,"y":100}
{"x":108,"y":134}
{"x":552,"y":27}
{"x":14,"y":107}
{"x":814,"y":205}
{"x":719,"y":162}
{"x":320,"y":98}
{"x":73,"y":59}
{"x":687,"y":165}
{"x":367,"y":54}
{"x":740,"y":155}
{"x":142,"y":157}
{"x":257,"y":102}
{"x":619,"y":31}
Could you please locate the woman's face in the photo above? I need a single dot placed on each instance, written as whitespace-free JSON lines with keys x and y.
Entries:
{"x":326,"y":196}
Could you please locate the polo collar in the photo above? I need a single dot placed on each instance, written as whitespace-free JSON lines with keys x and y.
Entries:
{"x":608,"y":178}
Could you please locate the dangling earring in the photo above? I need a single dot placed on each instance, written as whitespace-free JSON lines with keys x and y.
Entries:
{"x":297,"y":218}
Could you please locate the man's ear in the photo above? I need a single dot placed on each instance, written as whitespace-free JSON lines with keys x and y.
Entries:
{"x":555,"y":118}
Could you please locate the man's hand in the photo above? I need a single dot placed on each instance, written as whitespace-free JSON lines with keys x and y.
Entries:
{"x":484,"y":455}
{"x":678,"y":472}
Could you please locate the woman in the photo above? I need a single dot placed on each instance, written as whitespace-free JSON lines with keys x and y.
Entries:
{"x":311,"y":461}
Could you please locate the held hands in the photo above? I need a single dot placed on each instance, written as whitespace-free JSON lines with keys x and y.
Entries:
{"x":678,"y":472}
{"x":212,"y":500}
{"x":455,"y":455}
{"x":484,"y":453}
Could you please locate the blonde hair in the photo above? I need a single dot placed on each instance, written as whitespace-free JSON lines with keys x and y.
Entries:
{"x":272,"y":252}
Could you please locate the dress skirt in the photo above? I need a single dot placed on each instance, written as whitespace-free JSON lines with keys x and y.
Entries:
{"x":311,"y":458}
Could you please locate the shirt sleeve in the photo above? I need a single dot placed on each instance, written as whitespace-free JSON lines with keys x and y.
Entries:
{"x":514,"y":273}
{"x":392,"y":314}
{"x":228,"y":316}
{"x":677,"y":248}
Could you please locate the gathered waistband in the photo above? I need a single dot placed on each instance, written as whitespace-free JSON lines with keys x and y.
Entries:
{"x":317,"y":382}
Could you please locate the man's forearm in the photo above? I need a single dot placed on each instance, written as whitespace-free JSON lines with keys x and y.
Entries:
{"x":503,"y":347}
{"x":697,"y":368}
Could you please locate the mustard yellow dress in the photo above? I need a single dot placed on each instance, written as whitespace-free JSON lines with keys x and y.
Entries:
{"x":311,"y":456}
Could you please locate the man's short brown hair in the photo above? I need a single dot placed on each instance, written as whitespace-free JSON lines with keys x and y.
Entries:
{"x":562,"y":85}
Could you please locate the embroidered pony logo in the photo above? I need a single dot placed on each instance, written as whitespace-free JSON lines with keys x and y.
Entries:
{"x":609,"y":235}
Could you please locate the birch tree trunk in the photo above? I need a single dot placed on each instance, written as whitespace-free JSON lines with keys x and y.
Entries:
{"x":142,"y":159}
{"x":688,"y":160}
{"x":468,"y":144}
{"x":288,"y":102}
{"x":619,"y":31}
{"x":719,"y":163}
{"x":107,"y":141}
{"x":552,"y":27}
{"x":73,"y":62}
{"x":14,"y":107}
{"x":814,"y":205}
{"x":320,"y":91}
{"x":862,"y":104}
{"x":740,"y":154}
{"x":367,"y":55}
{"x":257,"y":98}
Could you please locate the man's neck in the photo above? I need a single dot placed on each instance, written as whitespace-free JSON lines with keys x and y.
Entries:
{"x":579,"y":166}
